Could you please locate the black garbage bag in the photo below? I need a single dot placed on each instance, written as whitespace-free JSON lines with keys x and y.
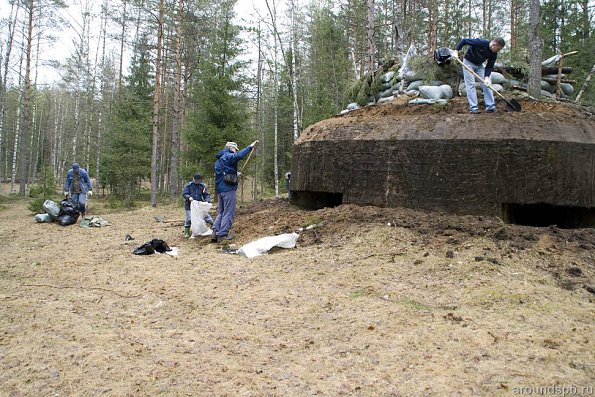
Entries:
{"x":69,"y":207}
{"x":148,"y":248}
{"x":66,"y":220}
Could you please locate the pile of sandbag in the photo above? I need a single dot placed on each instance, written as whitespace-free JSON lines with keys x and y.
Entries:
{"x":426,"y":90}
{"x":65,"y":214}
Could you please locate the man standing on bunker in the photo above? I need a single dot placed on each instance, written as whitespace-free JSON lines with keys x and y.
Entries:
{"x":77,"y":186}
{"x":226,"y":184}
{"x":479,"y":51}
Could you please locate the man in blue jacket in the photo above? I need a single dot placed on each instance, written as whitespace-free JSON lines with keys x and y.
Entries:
{"x":195,"y":190}
{"x":479,"y":51}
{"x":226,"y":184}
{"x":77,"y":186}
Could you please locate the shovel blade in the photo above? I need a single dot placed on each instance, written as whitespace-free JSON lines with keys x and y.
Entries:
{"x":513,"y":105}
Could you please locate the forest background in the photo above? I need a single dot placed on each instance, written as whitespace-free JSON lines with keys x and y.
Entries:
{"x":152,"y":89}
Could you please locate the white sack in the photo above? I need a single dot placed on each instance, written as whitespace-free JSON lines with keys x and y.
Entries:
{"x":198,"y":210}
{"x":263,"y":245}
{"x":497,"y":78}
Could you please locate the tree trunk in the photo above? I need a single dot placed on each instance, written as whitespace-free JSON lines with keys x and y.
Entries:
{"x":25,"y":128}
{"x":433,"y":26}
{"x":122,"y":41}
{"x":155,"y":118}
{"x":294,"y":86}
{"x":370,"y":37}
{"x":513,"y":26}
{"x":4,"y":75}
{"x":177,"y":106}
{"x":535,"y":50}
{"x":585,"y":84}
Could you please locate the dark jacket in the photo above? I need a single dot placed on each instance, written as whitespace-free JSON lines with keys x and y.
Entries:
{"x":227,"y":163}
{"x":198,"y":191}
{"x":478,"y":52}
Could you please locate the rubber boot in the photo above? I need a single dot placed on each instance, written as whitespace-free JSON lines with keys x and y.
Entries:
{"x":186,"y":231}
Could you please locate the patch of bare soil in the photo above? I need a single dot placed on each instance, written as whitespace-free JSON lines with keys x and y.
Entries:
{"x":371,"y":302}
{"x":535,"y":119}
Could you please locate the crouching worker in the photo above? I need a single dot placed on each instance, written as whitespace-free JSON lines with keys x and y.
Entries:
{"x":195,"y":190}
{"x":77,"y":186}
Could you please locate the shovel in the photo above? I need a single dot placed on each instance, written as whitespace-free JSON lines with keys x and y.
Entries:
{"x":511,"y":104}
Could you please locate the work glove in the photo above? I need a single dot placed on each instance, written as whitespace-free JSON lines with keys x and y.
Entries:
{"x":454,"y":54}
{"x":254,"y":144}
{"x":488,"y":80}
{"x":190,"y":198}
{"x":65,"y":193}
{"x":90,"y":192}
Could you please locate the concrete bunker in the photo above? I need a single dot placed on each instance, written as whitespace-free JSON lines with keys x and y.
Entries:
{"x":535,"y":168}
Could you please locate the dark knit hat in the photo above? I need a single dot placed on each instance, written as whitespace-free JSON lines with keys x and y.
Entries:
{"x":198,"y":176}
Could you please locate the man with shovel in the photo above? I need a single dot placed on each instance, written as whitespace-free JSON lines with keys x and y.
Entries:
{"x":226,"y":184}
{"x":477,"y":54}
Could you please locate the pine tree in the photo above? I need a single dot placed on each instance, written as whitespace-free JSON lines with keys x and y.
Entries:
{"x":126,"y":159}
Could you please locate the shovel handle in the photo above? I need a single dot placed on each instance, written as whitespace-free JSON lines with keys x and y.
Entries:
{"x":479,"y":78}
{"x":248,"y":159}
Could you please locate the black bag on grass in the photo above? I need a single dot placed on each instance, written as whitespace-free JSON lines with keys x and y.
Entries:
{"x":149,"y":248}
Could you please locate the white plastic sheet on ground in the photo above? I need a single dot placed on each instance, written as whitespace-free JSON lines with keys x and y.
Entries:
{"x":198,"y":210}
{"x":263,"y":245}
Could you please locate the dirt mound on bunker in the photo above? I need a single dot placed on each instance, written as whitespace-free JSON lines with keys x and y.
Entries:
{"x":533,"y":119}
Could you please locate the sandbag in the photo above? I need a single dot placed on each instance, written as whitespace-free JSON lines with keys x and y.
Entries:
{"x":66,"y":220}
{"x":387,"y":99}
{"x":51,"y":208}
{"x":432,"y":92}
{"x":566,"y":88}
{"x":446,"y":91}
{"x":353,"y":106}
{"x":387,"y":77}
{"x":414,"y":85}
{"x":43,"y":218}
{"x":497,"y":78}
{"x":425,"y":101}
{"x":387,"y":93}
{"x":198,"y":211}
{"x":547,"y":86}
{"x":263,"y":245}
{"x":69,"y":207}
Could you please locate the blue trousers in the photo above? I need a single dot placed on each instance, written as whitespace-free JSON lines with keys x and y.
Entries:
{"x":226,"y":213}
{"x":80,"y":199}
{"x":470,"y":87}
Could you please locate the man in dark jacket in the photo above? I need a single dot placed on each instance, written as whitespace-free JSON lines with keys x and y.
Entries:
{"x":226,"y":172}
{"x":477,"y":54}
{"x":77,"y":186}
{"x":195,"y":190}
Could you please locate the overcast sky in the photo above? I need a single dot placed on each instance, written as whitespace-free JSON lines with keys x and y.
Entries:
{"x":64,"y":46}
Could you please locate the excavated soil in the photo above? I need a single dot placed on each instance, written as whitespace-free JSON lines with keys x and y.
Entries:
{"x":537,"y":120}
{"x":371,"y":302}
